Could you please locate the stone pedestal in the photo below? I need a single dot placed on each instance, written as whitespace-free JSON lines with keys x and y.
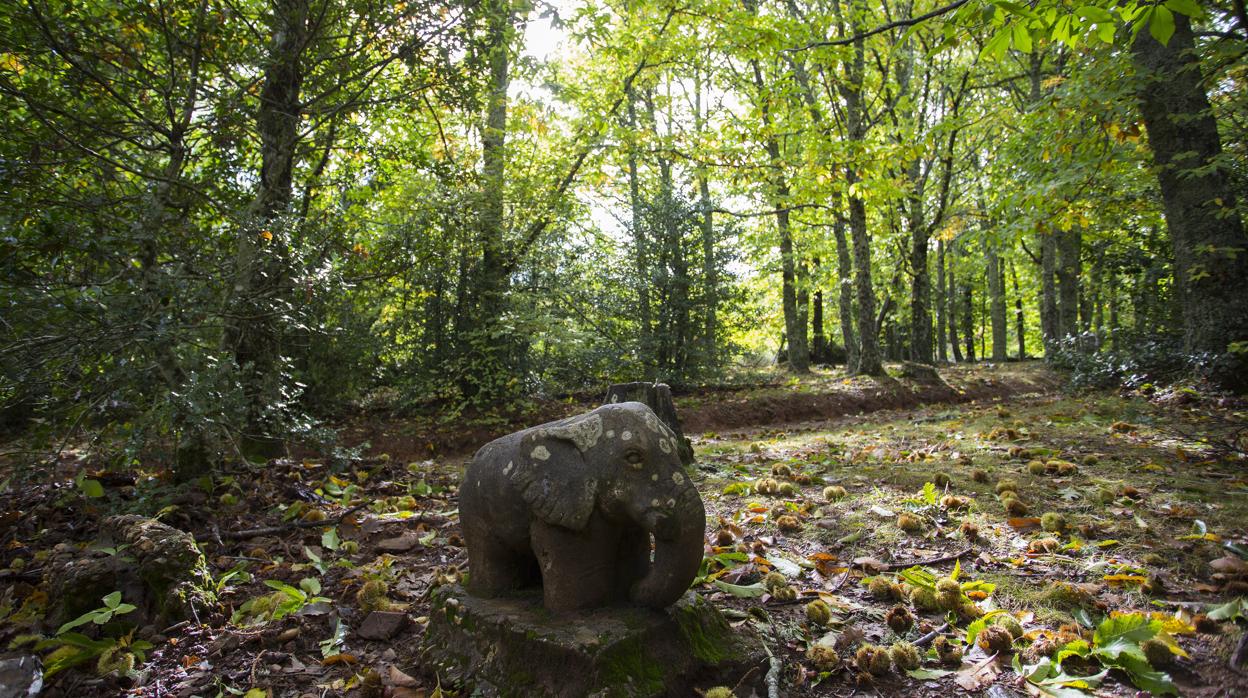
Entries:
{"x":514,"y":647}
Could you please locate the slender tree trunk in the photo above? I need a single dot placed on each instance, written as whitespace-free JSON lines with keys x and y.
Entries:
{"x":1069,"y":243}
{"x":794,"y":326}
{"x":1049,"y":322}
{"x":868,"y":340}
{"x":710,"y":269}
{"x":942,"y":337}
{"x":996,"y":303}
{"x":952,"y":297}
{"x":921,"y":284}
{"x":845,"y":294}
{"x":1019,"y":319}
{"x":261,"y":272}
{"x":819,"y":351}
{"x":968,"y":320}
{"x":1206,"y":232}
{"x":641,"y":263}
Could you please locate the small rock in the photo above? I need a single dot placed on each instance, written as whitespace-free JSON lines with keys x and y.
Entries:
{"x":400,"y":544}
{"x":20,"y":676}
{"x":381,"y":625}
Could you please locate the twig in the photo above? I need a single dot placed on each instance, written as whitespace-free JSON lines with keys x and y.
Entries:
{"x":773,"y":674}
{"x":272,"y":530}
{"x":933,"y":561}
{"x":927,"y":639}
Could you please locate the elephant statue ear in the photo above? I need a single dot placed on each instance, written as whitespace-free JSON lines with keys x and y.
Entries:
{"x":553,"y":476}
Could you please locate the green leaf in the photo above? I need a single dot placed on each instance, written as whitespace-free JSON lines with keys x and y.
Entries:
{"x":1093,"y":13}
{"x":312,"y":585}
{"x":91,"y":488}
{"x":1132,"y":628}
{"x":113,"y":599}
{"x":1022,"y":38}
{"x":997,"y":45}
{"x":330,"y":540}
{"x":286,"y":589}
{"x":925,"y":674}
{"x":1228,"y":611}
{"x":751,"y":591}
{"x":1161,"y":25}
{"x":1184,"y":7}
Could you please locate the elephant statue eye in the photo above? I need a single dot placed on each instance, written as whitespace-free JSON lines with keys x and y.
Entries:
{"x":634,"y":459}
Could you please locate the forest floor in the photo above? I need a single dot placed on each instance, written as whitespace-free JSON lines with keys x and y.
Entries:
{"x":1128,"y":525}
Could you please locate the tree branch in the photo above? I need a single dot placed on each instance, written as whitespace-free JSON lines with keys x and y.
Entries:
{"x":882,"y":28}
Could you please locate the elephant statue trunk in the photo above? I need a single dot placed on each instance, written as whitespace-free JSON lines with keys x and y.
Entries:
{"x":678,"y":542}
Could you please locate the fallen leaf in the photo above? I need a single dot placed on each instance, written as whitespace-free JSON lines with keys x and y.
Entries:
{"x":976,"y":676}
{"x":398,"y":678}
{"x":1024,"y":523}
{"x":334,"y":659}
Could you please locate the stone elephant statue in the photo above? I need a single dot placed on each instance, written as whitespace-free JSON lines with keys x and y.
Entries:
{"x":574,"y":504}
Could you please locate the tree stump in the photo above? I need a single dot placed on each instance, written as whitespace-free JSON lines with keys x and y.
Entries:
{"x":658,"y":397}
{"x":924,"y":373}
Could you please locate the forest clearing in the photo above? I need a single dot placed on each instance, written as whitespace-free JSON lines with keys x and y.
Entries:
{"x":747,"y":348}
{"x":1136,"y":510}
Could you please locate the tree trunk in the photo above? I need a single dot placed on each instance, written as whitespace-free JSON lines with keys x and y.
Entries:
{"x":996,"y":303}
{"x":261,"y":273}
{"x":710,"y":270}
{"x":794,"y":327}
{"x":1206,"y":232}
{"x":845,"y":295}
{"x":968,"y":320}
{"x":868,"y":340}
{"x":1049,"y":323}
{"x":951,"y":297}
{"x":1069,"y":243}
{"x":641,"y":264}
{"x":942,"y":338}
{"x":1019,"y":319}
{"x":819,"y":351}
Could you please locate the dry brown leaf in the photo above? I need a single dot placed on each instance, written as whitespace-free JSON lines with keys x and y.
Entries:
{"x":1022,"y":523}
{"x":398,"y":678}
{"x":976,"y":676}
{"x":1230,"y":564}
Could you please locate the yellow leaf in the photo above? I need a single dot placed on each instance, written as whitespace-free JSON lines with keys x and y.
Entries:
{"x":1124,"y":579}
{"x":333,"y":659}
{"x":266,"y":235}
{"x":258,"y":693}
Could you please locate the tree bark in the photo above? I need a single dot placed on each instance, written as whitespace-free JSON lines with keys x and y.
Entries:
{"x":845,"y":293}
{"x":1049,"y":323}
{"x":1069,"y":243}
{"x":1019,"y":318}
{"x":996,"y":303}
{"x":951,"y":298}
{"x":261,"y":273}
{"x":1206,"y":231}
{"x":869,"y":362}
{"x":942,"y":351}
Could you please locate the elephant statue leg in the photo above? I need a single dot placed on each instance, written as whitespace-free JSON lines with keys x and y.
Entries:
{"x":578,"y":567}
{"x":495,"y":568}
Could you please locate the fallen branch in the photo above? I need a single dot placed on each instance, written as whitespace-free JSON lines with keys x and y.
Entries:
{"x":927,"y":639}
{"x":933,"y":561}
{"x":773,"y":674}
{"x":292,"y":526}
